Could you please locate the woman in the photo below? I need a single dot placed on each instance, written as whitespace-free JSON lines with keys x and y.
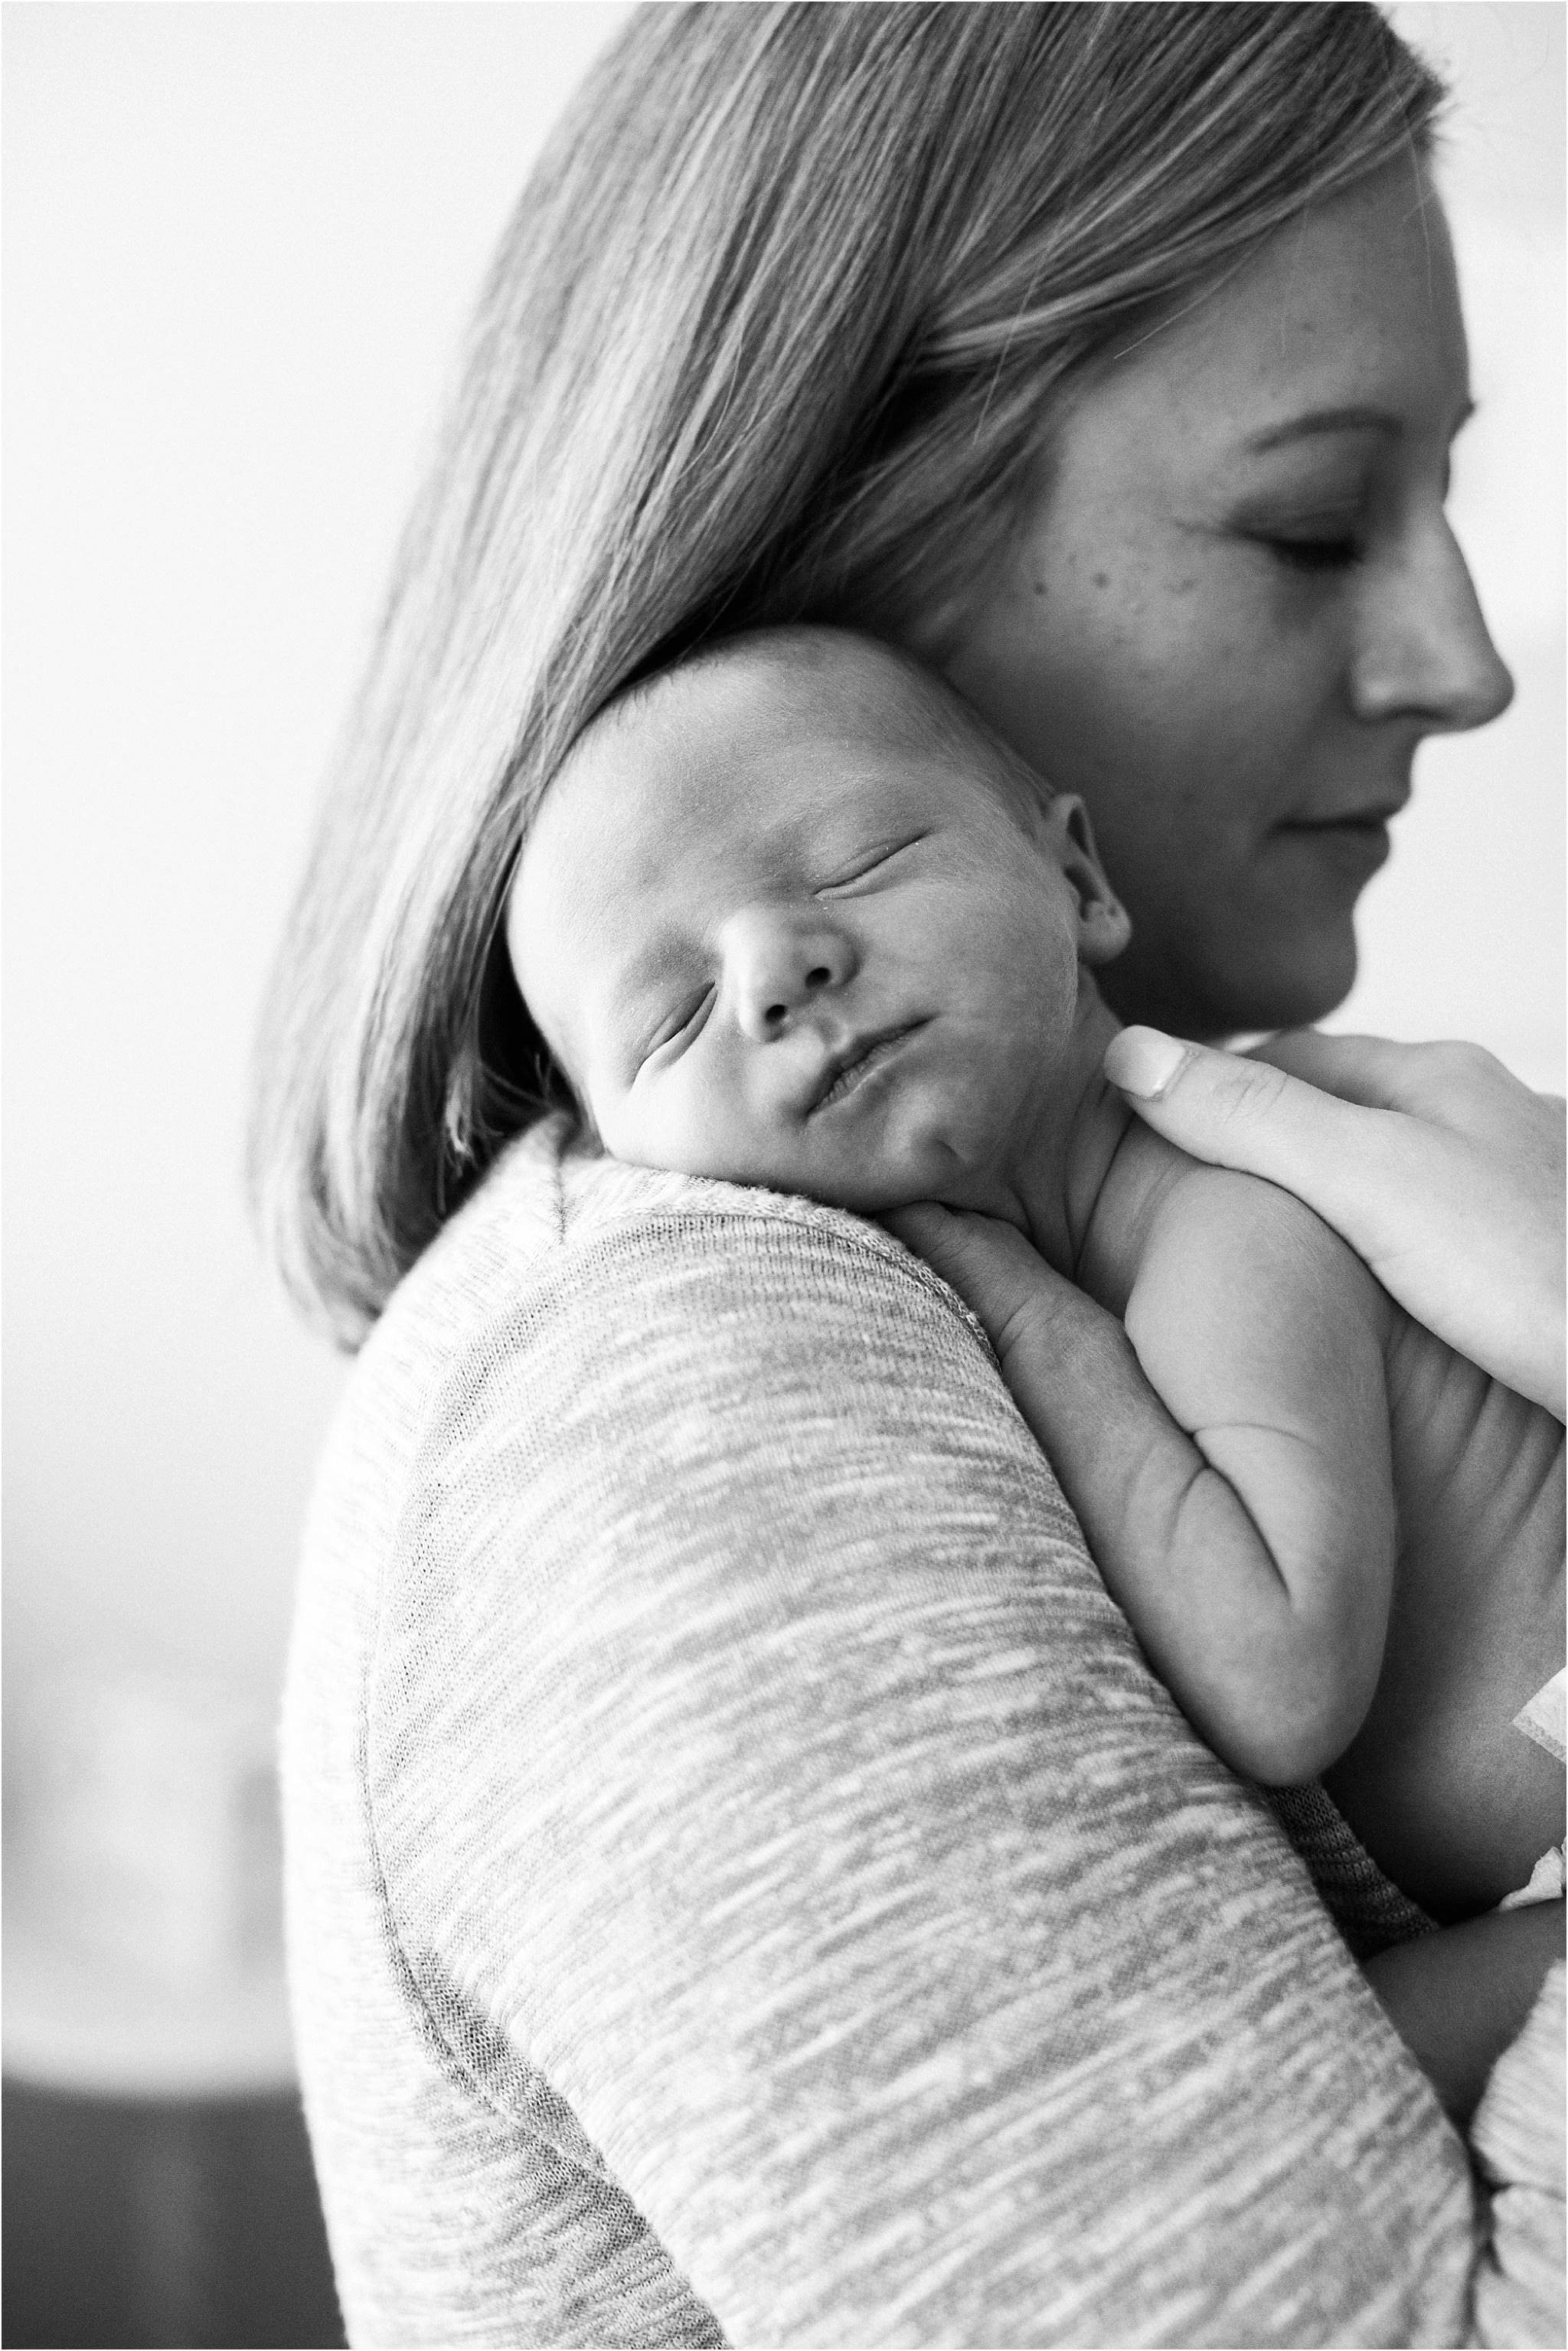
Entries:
{"x":746,"y":1884}
{"x":796,"y":316}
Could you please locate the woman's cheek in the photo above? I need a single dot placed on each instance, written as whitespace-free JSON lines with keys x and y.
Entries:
{"x":1210,"y":684}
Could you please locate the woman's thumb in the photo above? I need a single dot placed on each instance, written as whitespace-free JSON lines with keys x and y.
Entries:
{"x":1228,"y":1110}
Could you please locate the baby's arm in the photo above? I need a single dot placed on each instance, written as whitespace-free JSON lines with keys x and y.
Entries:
{"x":1457,"y":1998}
{"x":1227,"y":1453}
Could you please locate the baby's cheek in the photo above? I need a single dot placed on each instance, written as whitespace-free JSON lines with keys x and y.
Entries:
{"x":613,"y":1122}
{"x":694,"y":1120}
{"x":647,"y":1125}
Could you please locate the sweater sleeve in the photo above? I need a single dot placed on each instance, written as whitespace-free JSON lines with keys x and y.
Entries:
{"x":751,"y":1748}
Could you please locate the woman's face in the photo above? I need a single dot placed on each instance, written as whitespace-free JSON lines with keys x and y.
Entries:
{"x":1236,"y":607}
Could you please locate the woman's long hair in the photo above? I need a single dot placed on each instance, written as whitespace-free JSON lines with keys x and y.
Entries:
{"x":777,"y":331}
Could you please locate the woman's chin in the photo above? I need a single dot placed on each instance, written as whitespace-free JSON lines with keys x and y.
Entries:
{"x":1303,"y":992}
{"x":1284,"y":983}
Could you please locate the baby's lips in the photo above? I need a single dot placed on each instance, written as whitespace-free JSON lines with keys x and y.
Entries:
{"x":872,"y":1048}
{"x":831,"y":1068}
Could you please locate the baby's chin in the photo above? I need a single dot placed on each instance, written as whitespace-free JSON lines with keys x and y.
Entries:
{"x":866,"y":1185}
{"x":872,"y":1182}
{"x":917,"y":1144}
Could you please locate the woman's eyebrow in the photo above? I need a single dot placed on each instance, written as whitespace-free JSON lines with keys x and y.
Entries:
{"x":1349,"y":419}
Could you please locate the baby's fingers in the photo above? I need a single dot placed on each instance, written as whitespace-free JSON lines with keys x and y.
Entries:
{"x":945,"y":1239}
{"x":995,"y":1270}
{"x":922,"y":1229}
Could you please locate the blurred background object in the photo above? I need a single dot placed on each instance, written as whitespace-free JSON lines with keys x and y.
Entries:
{"x":144,"y":1927}
{"x":240,"y":245}
{"x":158,"y":2184}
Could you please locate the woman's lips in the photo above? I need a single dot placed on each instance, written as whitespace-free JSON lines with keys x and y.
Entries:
{"x":1355,"y":846}
{"x":848,"y":1070}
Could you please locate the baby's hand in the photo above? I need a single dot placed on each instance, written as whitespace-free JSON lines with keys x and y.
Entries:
{"x":1003,"y":1279}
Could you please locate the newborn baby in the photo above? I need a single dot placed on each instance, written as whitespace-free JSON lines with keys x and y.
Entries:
{"x":791,"y":916}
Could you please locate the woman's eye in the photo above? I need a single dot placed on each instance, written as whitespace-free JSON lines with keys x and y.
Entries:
{"x":1339,"y":554}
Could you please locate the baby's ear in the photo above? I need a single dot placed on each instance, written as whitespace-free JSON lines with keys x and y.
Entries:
{"x":1104,"y":926}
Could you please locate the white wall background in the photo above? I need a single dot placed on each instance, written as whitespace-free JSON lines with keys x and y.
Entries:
{"x":240,"y":242}
{"x":1462,"y":933}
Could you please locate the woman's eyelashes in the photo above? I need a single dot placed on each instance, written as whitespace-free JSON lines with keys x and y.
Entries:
{"x":1311,"y":527}
{"x":1340,"y":552}
{"x":1313,"y":540}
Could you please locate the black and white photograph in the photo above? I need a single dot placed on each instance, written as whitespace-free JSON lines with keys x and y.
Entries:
{"x":784,"y":1173}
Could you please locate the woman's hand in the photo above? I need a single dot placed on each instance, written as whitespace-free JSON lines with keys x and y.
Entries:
{"x":1440,"y":1169}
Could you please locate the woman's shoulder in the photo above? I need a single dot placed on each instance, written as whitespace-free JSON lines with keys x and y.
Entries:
{"x":555,"y":1215}
{"x":677,"y":1335}
{"x":702,"y":1693}
{"x":553,"y":1188}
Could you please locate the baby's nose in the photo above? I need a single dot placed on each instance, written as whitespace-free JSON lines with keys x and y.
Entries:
{"x":778,"y":965}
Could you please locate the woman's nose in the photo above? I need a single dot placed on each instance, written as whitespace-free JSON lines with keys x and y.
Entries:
{"x":1427,"y":652}
{"x":779,"y":965}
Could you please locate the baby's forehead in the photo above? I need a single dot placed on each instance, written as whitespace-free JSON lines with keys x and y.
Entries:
{"x":763,"y":754}
{"x":776,"y":703}
{"x":726,"y":739}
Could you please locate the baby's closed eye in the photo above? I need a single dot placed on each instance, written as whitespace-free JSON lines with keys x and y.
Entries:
{"x":679,"y":1027}
{"x":869,"y":861}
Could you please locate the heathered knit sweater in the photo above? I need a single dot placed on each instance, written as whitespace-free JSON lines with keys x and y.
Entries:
{"x":746,"y":1884}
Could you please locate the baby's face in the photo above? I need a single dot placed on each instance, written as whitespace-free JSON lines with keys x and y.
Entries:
{"x":772,"y":942}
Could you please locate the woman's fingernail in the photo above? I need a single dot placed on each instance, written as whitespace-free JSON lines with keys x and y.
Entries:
{"x":1142,"y":1061}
